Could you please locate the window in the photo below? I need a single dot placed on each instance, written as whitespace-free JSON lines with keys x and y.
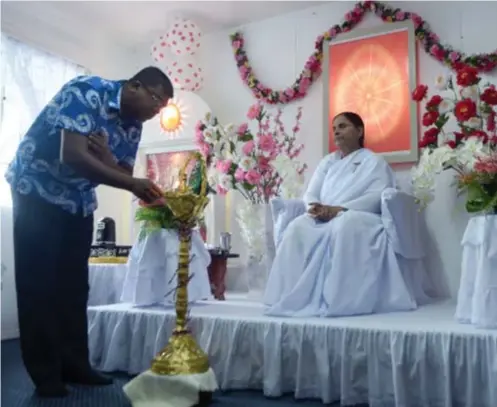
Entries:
{"x":29,"y":79}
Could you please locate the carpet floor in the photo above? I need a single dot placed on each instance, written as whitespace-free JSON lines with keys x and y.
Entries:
{"x":17,"y":390}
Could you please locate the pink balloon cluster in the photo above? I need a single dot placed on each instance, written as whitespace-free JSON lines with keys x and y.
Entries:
{"x":182,"y":40}
{"x":185,"y":75}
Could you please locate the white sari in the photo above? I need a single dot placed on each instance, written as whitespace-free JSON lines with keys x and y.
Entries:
{"x":345,"y":266}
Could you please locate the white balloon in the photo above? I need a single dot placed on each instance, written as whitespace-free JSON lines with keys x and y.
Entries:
{"x":184,"y":37}
{"x":158,"y":50}
{"x":185,"y":75}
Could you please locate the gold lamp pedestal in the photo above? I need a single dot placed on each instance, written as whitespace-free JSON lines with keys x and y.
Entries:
{"x":182,"y":366}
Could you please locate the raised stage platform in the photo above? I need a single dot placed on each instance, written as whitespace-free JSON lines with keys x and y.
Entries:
{"x":421,"y":358}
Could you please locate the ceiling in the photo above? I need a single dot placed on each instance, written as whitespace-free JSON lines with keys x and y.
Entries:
{"x":130,"y":23}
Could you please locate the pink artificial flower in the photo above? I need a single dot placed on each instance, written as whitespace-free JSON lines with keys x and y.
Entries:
{"x":434,"y":37}
{"x":205,"y":149}
{"x":289,"y":92}
{"x":417,"y":20}
{"x":437,"y":52}
{"x":244,"y":71}
{"x":263,"y":163}
{"x":266,"y":142}
{"x":220,"y":190}
{"x":224,"y":166}
{"x":242,"y":129}
{"x":454,"y":56}
{"x":254,"y":111}
{"x":304,"y":85}
{"x":199,"y":136}
{"x":237,"y":44}
{"x":252,"y":177}
{"x":240,"y":175}
{"x":400,"y":16}
{"x":248,"y":147}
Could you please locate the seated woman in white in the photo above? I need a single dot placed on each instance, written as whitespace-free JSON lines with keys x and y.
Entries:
{"x":152,"y":270}
{"x":336,"y":260}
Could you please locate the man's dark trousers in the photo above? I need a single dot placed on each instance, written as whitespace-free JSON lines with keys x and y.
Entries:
{"x":51,"y":250}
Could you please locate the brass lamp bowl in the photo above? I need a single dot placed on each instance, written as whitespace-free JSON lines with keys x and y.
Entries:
{"x":186,"y":206}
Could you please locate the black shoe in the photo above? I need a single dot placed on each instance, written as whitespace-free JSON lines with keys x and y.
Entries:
{"x":87,"y":378}
{"x":53,"y":390}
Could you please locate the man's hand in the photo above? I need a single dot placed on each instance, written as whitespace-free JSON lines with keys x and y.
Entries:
{"x":98,"y":145}
{"x":146,"y":190}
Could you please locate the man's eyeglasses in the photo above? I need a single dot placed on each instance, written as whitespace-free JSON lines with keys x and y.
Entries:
{"x":158,"y":100}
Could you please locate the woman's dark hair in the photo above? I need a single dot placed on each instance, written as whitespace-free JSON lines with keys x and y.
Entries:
{"x":356,"y":121}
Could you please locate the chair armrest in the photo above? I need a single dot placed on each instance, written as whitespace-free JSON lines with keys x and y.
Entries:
{"x":283,"y":212}
{"x":404,"y":223}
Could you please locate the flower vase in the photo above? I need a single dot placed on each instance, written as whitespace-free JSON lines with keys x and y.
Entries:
{"x":256,"y":229}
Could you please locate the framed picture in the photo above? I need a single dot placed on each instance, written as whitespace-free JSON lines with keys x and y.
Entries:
{"x":372,"y":73}
{"x":161,"y":162}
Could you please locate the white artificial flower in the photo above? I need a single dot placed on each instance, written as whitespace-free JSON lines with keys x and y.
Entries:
{"x":445,"y":106}
{"x":469,"y":151}
{"x":219,"y":149}
{"x":246,"y":163}
{"x":283,"y":165}
{"x":441,"y":82}
{"x":470,"y":92}
{"x":226,"y":182}
{"x":440,"y":157}
{"x":213,"y":177}
{"x":208,"y":136}
{"x":473,"y":123}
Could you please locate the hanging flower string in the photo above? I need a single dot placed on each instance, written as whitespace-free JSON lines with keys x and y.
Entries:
{"x":312,"y":69}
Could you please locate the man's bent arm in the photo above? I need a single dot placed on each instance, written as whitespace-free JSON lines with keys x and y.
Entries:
{"x":74,"y":152}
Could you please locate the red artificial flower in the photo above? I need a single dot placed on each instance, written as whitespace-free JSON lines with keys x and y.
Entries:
{"x":430,"y":137}
{"x":434,"y":102}
{"x":489,"y":96}
{"x":491,"y":122}
{"x":467,"y":76}
{"x":419,"y":93}
{"x":430,"y":118}
{"x":464,"y":110}
{"x":459,"y":136}
{"x":480,"y":134}
{"x":452,"y":144}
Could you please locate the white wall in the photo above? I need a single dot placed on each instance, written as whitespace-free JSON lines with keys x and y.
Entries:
{"x":278,"y":49}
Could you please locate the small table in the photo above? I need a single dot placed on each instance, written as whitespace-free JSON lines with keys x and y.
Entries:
{"x":217,"y":271}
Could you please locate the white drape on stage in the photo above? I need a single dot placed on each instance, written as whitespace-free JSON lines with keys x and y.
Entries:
{"x":409,"y":359}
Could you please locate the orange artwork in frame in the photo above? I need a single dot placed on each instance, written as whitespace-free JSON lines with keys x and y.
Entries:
{"x":372,"y":73}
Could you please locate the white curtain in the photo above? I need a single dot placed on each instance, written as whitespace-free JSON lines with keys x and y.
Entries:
{"x":29,"y":79}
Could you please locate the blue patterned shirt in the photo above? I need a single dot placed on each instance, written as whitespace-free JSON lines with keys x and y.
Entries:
{"x":84,"y":105}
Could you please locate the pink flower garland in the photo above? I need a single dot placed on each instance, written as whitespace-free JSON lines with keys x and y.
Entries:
{"x":312,"y":69}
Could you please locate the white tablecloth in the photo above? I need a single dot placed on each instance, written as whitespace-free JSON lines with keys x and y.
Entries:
{"x":477,"y":297}
{"x":106,"y":283}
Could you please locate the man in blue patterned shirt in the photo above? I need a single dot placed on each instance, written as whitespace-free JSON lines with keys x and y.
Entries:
{"x":87,"y":135}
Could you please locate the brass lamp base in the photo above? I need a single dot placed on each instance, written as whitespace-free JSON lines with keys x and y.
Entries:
{"x":181,"y":356}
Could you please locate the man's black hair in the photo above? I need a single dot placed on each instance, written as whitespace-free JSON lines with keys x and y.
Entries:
{"x":153,"y":76}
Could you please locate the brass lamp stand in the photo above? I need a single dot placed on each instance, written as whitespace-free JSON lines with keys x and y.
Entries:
{"x":182,"y":360}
